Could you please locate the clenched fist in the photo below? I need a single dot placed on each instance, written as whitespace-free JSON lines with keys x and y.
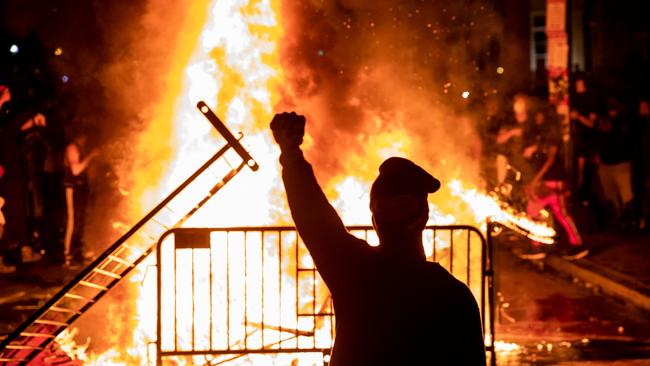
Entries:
{"x":288,"y":130}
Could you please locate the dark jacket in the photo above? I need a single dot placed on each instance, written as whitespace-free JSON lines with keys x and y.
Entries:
{"x":387,"y":312}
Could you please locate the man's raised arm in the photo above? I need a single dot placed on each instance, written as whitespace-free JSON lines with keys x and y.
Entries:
{"x":320,"y":227}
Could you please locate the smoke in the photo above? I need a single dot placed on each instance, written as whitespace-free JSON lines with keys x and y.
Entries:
{"x":387,"y":77}
{"x":374,"y":80}
{"x":141,"y":80}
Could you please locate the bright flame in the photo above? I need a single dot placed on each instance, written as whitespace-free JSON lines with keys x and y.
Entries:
{"x":486,"y":207}
{"x":234,"y":66}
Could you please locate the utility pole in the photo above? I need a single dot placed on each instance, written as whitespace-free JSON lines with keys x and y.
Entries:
{"x":557,"y":42}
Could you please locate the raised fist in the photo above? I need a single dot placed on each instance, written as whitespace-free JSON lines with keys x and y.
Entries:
{"x":288,"y":130}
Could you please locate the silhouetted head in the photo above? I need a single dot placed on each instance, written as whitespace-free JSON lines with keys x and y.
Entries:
{"x":398,"y":201}
{"x":580,"y":85}
{"x":543,"y":112}
{"x":520,"y":107}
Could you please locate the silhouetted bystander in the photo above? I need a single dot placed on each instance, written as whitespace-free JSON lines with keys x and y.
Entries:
{"x":75,"y":182}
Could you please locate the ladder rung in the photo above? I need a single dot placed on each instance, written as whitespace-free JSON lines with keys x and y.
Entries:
{"x":36,"y":335}
{"x":306,"y":269}
{"x":21,"y":346}
{"x":120,"y":260}
{"x":63,"y":310}
{"x":107,"y":273}
{"x":78,"y":297}
{"x":160,"y":223}
{"x":93,"y":285}
{"x":127,"y":246}
{"x":51,"y":322}
{"x":13,"y":360}
{"x":147,"y":236}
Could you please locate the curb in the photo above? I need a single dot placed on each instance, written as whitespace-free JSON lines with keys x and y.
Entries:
{"x":605,"y":283}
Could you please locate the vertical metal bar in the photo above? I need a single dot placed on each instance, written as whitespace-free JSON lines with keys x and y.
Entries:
{"x":469,"y":253}
{"x":297,"y":251}
{"x":211,"y":325}
{"x":263,"y":330}
{"x":484,"y":276}
{"x":228,"y":289}
{"x":193,"y":298}
{"x":332,"y":330}
{"x":245,"y":290}
{"x":313,"y":305}
{"x":451,"y":251}
{"x":175,"y":297}
{"x":280,"y":285}
{"x":491,"y":291}
{"x":434,"y":244}
{"x":159,"y":308}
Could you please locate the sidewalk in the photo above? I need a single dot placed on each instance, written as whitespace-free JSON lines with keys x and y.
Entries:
{"x":619,"y":264}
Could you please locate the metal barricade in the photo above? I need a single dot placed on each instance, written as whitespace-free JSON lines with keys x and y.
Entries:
{"x":225,"y":294}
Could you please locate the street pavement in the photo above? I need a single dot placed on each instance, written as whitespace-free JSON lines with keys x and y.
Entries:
{"x":549,"y":316}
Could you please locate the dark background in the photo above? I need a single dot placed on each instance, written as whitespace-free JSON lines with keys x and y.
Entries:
{"x":102,"y":40}
{"x":613,"y":49}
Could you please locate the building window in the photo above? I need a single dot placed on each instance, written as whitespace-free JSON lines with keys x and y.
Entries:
{"x":538,"y":40}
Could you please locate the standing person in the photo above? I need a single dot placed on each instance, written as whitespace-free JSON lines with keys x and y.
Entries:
{"x":33,"y":148}
{"x":510,"y":163}
{"x":75,"y":182}
{"x":583,"y":119}
{"x":545,"y":185}
{"x":614,"y":163}
{"x":510,"y":136}
{"x":5,"y":98}
{"x":643,"y":124}
{"x":392,"y":306}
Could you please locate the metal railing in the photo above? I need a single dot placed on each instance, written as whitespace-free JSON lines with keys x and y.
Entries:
{"x":229,"y":293}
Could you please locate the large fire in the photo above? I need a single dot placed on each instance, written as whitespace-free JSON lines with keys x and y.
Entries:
{"x":232,"y":61}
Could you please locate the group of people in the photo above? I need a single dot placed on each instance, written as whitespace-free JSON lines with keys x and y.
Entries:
{"x":43,"y":189}
{"x":612,"y":156}
{"x":600,"y":160}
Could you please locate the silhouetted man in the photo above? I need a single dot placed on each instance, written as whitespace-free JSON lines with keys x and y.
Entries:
{"x":392,"y":306}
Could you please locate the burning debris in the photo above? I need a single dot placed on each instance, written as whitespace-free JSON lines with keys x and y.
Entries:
{"x":377,"y":80}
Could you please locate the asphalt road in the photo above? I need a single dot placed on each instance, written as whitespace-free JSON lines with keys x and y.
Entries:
{"x":544,"y":317}
{"x":548,"y":318}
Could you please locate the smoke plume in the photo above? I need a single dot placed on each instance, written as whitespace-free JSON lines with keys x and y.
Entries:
{"x":387,"y":77}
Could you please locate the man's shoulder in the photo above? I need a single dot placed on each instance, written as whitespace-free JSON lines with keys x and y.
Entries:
{"x":446,"y":279}
{"x":449,"y":292}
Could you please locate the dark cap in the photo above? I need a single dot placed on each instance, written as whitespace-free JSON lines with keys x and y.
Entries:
{"x":399,"y":176}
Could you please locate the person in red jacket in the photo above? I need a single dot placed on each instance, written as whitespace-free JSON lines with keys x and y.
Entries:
{"x":392,"y":306}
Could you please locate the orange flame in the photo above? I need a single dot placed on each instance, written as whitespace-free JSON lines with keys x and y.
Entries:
{"x":232,"y":62}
